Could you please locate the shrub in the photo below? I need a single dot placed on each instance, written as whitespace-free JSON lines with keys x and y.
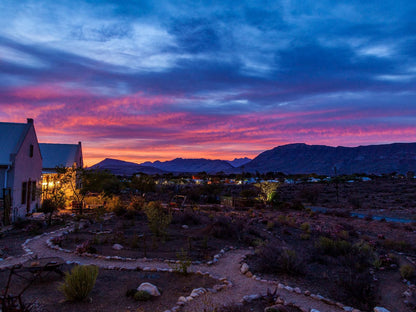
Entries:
{"x":359,"y":289}
{"x":224,"y":227}
{"x":183,"y":263}
{"x":84,"y":247}
{"x":273,"y":259}
{"x":158,"y":218}
{"x":407,"y":271}
{"x":142,"y":295}
{"x":333,"y":248}
{"x":305,"y":227}
{"x":115,"y":205}
{"x":79,"y":282}
{"x":399,"y":245}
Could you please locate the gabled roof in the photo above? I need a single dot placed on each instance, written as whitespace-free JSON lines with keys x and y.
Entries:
{"x":11,"y":138}
{"x":58,"y":155}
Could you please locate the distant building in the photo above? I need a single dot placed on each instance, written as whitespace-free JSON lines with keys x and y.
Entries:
{"x":20,"y":170}
{"x":59,"y":155}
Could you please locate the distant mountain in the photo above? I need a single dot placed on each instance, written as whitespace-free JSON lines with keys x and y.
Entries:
{"x":237,"y":162}
{"x":120,"y":167}
{"x":192,"y":165}
{"x":321,"y":159}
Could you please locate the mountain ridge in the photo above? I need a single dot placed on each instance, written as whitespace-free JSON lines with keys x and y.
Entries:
{"x":294,"y":158}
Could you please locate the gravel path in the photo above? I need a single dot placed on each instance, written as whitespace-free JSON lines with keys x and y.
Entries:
{"x":227,"y":267}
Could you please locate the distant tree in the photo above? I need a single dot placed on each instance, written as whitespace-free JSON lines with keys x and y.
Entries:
{"x":267,"y":191}
{"x":96,"y":181}
{"x":143,"y":183}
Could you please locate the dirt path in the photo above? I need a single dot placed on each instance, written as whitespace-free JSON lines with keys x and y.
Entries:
{"x":227,"y":267}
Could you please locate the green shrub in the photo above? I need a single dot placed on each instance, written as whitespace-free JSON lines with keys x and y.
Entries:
{"x":79,"y":282}
{"x":333,"y":247}
{"x":183,"y":263}
{"x":407,"y":271}
{"x":305,"y":227}
{"x":142,"y":295}
{"x":158,"y":218}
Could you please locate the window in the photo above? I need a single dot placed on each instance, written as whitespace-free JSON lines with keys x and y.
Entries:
{"x":24,"y":190}
{"x":33,"y":190}
{"x":31,"y":151}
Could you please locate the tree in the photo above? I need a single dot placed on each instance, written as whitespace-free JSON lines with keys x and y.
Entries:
{"x":71,"y":182}
{"x":97,"y":181}
{"x":158,"y":218}
{"x":268,"y":192}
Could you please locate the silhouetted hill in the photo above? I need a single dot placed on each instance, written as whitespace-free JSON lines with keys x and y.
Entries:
{"x":321,"y":159}
{"x":237,"y":162}
{"x":192,"y":165}
{"x":120,"y":167}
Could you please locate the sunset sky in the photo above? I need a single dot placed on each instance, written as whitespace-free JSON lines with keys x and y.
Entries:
{"x":156,"y":80}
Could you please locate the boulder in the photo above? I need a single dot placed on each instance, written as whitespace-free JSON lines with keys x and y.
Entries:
{"x":150,"y":288}
{"x":117,"y":247}
{"x":380,"y":309}
{"x":244,"y":268}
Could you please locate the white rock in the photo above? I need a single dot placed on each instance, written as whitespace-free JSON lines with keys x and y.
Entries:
{"x":185,"y":226}
{"x":348,"y":309}
{"x":150,"y":288}
{"x":117,"y":247}
{"x":380,"y":309}
{"x":314,"y":310}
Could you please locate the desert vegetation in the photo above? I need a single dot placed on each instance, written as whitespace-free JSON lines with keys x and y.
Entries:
{"x":326,"y":251}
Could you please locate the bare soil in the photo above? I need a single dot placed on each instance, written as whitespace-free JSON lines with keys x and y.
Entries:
{"x":109,"y":293}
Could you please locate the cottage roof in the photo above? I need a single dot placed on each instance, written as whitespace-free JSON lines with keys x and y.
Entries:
{"x":58,"y":155}
{"x":11,"y":138}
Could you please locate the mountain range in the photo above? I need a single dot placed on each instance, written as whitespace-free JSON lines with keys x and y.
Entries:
{"x":290,"y":159}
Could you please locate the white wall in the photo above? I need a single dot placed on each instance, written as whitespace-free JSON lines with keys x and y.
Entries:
{"x":25,"y":168}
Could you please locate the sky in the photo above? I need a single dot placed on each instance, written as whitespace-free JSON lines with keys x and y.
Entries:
{"x":156,"y":80}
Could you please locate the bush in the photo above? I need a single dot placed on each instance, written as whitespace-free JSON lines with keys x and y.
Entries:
{"x":142,"y":295}
{"x":273,"y":259}
{"x":305,"y":227}
{"x":158,"y":218}
{"x":115,"y":205}
{"x":407,"y":271}
{"x":359,"y":289}
{"x":332,"y":247}
{"x":79,"y":282}
{"x":183,"y":263}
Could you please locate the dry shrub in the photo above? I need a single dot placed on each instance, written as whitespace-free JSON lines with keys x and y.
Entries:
{"x":79,"y":282}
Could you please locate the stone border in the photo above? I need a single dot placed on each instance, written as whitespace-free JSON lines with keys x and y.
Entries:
{"x":224,"y":282}
{"x":245,"y":270}
{"x":63,"y":233}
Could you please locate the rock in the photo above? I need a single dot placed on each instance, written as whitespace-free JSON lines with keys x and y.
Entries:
{"x":244,"y":268}
{"x":150,"y":288}
{"x":249,"y":274}
{"x":117,"y":247}
{"x":185,"y":227}
{"x":348,"y":309}
{"x":380,"y":309}
{"x":314,"y":310}
{"x":250,"y":298}
{"x":297,"y":290}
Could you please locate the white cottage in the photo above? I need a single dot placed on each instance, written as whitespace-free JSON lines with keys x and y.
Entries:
{"x":20,"y":170}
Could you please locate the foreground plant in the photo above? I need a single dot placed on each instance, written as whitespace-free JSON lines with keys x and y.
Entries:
{"x":79,"y":282}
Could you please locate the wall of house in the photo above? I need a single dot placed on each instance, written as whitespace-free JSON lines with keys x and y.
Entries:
{"x":26,"y":168}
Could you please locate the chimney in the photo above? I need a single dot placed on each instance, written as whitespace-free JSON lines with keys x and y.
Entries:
{"x":30,"y":120}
